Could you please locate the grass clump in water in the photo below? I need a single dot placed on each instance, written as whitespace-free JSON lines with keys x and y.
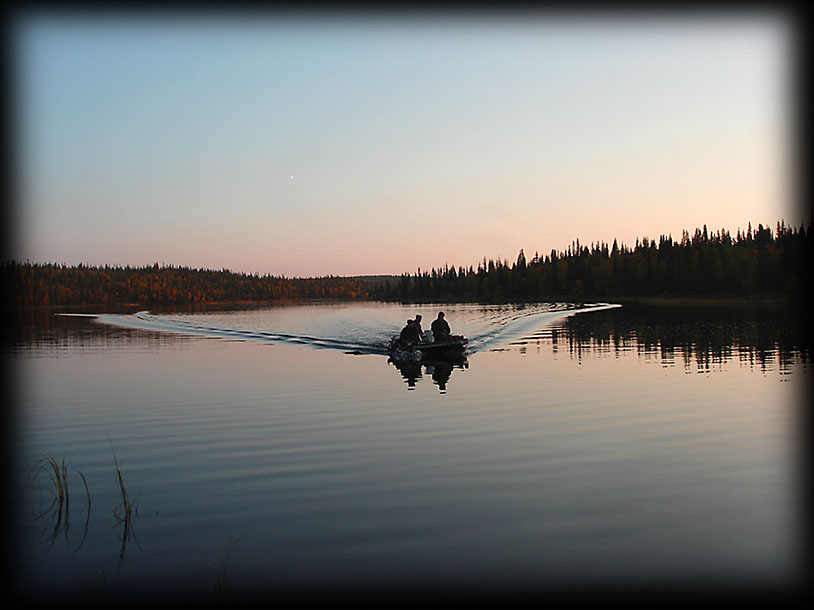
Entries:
{"x":124,"y":512}
{"x":57,"y":515}
{"x":224,"y":587}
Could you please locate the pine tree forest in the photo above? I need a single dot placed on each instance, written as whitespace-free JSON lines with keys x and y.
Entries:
{"x":753,"y":263}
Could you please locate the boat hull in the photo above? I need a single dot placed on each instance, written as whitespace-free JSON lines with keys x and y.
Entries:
{"x":422,"y":352}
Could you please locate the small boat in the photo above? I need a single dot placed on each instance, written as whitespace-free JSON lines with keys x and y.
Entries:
{"x":435,"y":351}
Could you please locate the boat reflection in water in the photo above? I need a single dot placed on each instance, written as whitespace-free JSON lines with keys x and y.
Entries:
{"x":436,"y":359}
{"x":439,"y":370}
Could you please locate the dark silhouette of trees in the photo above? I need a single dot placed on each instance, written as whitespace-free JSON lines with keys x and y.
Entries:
{"x":32,"y":284}
{"x":755,"y":263}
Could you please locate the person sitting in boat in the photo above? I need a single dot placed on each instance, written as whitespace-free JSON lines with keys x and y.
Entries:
{"x":409,"y":334}
{"x":417,"y":323}
{"x":440,"y":328}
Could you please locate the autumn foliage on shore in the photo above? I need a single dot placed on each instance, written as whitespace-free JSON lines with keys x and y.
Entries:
{"x":753,"y":263}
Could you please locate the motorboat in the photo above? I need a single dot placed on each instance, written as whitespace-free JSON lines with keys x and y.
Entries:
{"x":451,"y":350}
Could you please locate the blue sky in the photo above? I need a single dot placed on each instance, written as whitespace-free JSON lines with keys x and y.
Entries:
{"x":321,"y":145}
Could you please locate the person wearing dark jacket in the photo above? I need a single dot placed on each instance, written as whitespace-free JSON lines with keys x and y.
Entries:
{"x":440,"y":328}
{"x":417,"y":323}
{"x":409,"y":334}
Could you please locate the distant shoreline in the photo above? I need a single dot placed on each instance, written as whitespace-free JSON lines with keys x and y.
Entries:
{"x":703,"y":269}
{"x":670,"y":301}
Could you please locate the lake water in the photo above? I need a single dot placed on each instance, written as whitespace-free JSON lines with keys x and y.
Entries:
{"x":275,"y":451}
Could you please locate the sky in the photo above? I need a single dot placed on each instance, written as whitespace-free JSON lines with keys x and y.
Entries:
{"x":312,"y":145}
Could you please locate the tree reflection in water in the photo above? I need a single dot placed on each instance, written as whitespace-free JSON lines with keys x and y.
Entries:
{"x":697,"y":335}
{"x":764,"y":336}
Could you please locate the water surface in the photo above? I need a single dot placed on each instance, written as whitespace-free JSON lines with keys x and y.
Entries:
{"x":575,"y":446}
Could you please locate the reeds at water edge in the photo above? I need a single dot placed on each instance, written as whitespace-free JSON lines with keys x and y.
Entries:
{"x":224,"y":588}
{"x":124,"y":511}
{"x":57,"y":515}
{"x":51,"y":476}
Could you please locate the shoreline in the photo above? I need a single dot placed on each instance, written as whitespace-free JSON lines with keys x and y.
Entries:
{"x":663,"y":301}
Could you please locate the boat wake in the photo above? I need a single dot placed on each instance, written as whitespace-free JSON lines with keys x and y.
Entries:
{"x":144,"y":320}
{"x":527,"y":324}
{"x":360,"y":330}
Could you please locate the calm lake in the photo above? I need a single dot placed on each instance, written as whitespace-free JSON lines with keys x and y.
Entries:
{"x":276,"y":450}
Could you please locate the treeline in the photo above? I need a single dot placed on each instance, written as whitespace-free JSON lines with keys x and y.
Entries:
{"x":31,"y":284}
{"x":758,"y":263}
